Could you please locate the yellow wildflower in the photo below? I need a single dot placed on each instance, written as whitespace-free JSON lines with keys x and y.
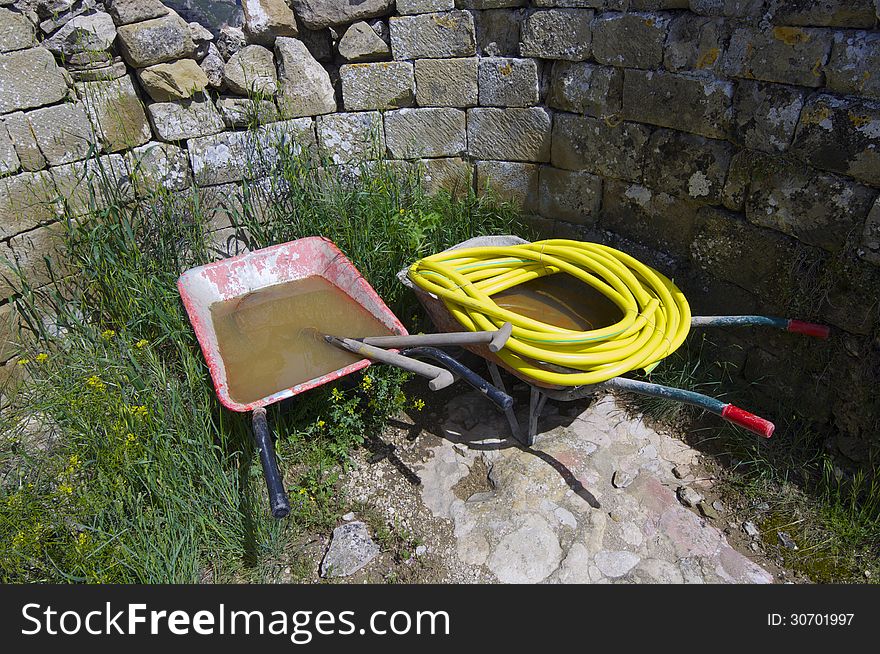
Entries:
{"x":367,"y":383}
{"x":336,"y":394}
{"x":82,"y":538}
{"x":320,"y":424}
{"x":138,"y":411}
{"x":131,"y":439}
{"x":41,"y":357}
{"x":23,"y":362}
{"x":95,"y":382}
{"x":419,"y":404}
{"x":142,"y":343}
{"x":67,"y":489}
{"x":107,"y":334}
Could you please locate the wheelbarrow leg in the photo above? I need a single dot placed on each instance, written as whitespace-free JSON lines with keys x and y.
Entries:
{"x":508,"y":413}
{"x":537,"y":399}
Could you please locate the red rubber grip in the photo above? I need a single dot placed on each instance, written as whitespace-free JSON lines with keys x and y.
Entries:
{"x":748,"y":420}
{"x":809,"y":329}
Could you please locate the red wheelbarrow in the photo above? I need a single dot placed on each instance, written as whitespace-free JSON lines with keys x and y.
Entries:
{"x":240,"y":278}
{"x":241,"y":310}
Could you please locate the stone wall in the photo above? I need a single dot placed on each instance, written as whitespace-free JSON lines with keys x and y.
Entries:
{"x":734,"y":142}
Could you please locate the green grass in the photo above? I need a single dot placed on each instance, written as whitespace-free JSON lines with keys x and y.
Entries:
{"x":832,"y":514}
{"x":146,"y":478}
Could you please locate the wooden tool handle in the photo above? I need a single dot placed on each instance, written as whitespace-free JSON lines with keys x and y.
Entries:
{"x":439,"y":377}
{"x":495,"y":339}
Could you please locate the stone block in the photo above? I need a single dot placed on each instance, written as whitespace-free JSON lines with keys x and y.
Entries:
{"x":265,"y":20}
{"x":240,"y":113}
{"x":453,"y":175}
{"x":19,"y":130}
{"x":509,"y":134}
{"x":16,"y":31}
{"x":828,"y":13}
{"x":818,"y":209}
{"x":699,"y":104}
{"x":686,"y":165}
{"x":585,"y":88}
{"x":854,"y":64}
{"x":790,"y":55}
{"x":28,"y":253}
{"x":253,"y":154}
{"x":185,"y":119}
{"x":385,"y":85}
{"x":731,"y":8}
{"x":766,"y":114}
{"x":361,"y":43}
{"x":305,"y":86}
{"x":158,"y":165}
{"x":871,"y":235}
{"x":351,"y":137}
{"x":425,"y":133}
{"x":649,"y":217}
{"x":483,"y":5}
{"x":28,"y":79}
{"x":83,"y":38}
{"x":633,"y":40}
{"x":588,"y":4}
{"x":696,"y":43}
{"x":433,"y":36}
{"x":9,"y":161}
{"x":718,"y":249}
{"x":92,"y":185}
{"x":156,"y":41}
{"x":517,"y":183}
{"x":498,"y":32}
{"x":410,"y":7}
{"x":318,"y":14}
{"x":251,"y":71}
{"x":135,"y":11}
{"x":446,"y":82}
{"x":63,"y":133}
{"x":572,"y":196}
{"x":557,"y":34}
{"x":592,"y":144}
{"x":508,"y":82}
{"x":841,"y":135}
{"x":9,"y":326}
{"x":116,"y":112}
{"x":178,"y":80}
{"x":26,"y":200}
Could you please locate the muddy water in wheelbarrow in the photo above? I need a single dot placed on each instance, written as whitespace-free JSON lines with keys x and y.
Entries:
{"x":258,"y":319}
{"x":271,"y":339}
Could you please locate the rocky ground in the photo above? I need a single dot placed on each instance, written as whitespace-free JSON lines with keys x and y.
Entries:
{"x":600,"y":498}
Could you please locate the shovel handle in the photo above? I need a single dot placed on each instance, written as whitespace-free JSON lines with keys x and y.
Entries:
{"x":439,"y":377}
{"x":278,"y":501}
{"x":495,"y":339}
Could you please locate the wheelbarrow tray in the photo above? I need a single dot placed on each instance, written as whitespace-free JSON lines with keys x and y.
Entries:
{"x":235,"y":277}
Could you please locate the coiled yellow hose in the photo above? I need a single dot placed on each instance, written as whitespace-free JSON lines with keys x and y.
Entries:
{"x":656,"y":316}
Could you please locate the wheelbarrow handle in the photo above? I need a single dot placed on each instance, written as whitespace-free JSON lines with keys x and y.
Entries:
{"x":278,"y":501}
{"x":439,"y":377}
{"x":495,"y":395}
{"x":495,"y":339}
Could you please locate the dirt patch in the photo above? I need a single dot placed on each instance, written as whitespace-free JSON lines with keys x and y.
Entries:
{"x":476,"y":481}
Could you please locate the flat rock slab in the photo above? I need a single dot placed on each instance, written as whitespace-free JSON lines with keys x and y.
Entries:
{"x":554,"y":513}
{"x":350,"y":550}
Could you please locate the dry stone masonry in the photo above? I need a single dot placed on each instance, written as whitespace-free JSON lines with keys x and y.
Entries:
{"x":741,"y":138}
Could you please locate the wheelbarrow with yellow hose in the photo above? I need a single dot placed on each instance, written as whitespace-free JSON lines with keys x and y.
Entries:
{"x":582,"y":315}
